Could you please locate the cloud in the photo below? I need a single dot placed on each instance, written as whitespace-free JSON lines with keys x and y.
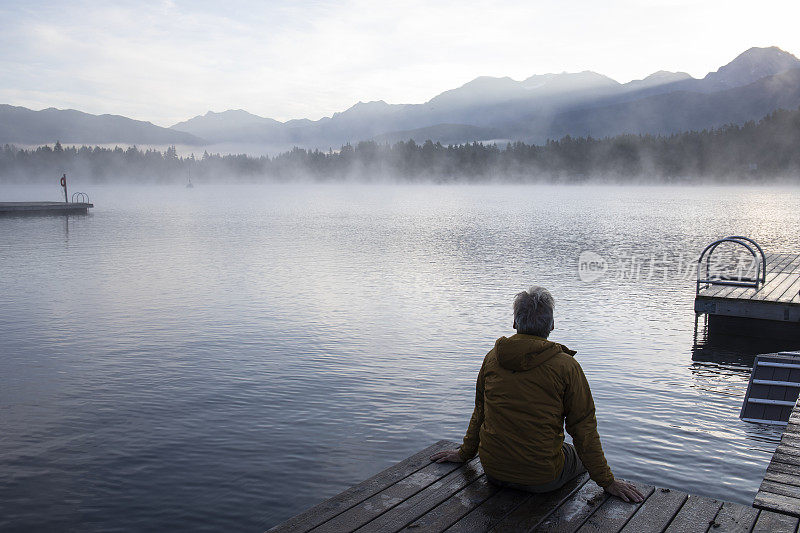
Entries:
{"x":167,"y":61}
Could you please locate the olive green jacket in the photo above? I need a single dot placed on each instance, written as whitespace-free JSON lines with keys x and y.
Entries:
{"x":527,"y":388}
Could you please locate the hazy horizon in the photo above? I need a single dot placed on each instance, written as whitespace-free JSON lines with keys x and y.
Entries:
{"x":165,"y":61}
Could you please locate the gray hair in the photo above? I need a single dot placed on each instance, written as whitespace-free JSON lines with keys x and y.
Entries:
{"x":533,"y":312}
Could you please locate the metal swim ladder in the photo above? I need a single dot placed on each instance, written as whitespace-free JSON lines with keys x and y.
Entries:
{"x":773,"y":388}
{"x":755,"y":250}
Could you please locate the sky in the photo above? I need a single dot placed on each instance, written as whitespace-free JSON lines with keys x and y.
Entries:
{"x":167,"y":61}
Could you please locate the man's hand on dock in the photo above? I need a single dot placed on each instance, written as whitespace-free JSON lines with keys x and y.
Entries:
{"x":624,"y":491}
{"x":448,"y":456}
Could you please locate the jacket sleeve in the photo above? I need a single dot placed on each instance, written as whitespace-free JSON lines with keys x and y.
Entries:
{"x":471,"y":440}
{"x":581,"y":423}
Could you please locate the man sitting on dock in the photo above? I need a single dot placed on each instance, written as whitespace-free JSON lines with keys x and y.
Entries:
{"x":527,"y":388}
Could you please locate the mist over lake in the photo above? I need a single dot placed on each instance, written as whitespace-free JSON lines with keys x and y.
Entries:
{"x":224,"y":357}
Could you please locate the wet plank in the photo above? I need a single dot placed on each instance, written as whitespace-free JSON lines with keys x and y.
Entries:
{"x":785,"y":476}
{"x":539,"y":506}
{"x":734,"y":518}
{"x":614,"y":513}
{"x":788,"y":456}
{"x":777,"y":502}
{"x":787,"y":448}
{"x":419,"y":496}
{"x":451,"y":510}
{"x":490,"y":512}
{"x":575,"y":510}
{"x":780,"y":489}
{"x":769,"y":522}
{"x":657,"y":511}
{"x":790,"y":491}
{"x":358,"y":493}
{"x":423,"y":501}
{"x":697,"y":514}
{"x":367,"y":510}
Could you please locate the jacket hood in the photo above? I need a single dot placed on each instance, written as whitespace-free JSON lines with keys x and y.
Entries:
{"x":525,"y":352}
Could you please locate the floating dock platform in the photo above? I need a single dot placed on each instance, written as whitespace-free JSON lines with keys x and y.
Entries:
{"x":773,"y":295}
{"x":44,"y":208}
{"x":417,"y":495}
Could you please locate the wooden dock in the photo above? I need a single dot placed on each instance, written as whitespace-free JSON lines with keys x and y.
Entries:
{"x":780,"y":490}
{"x":778,"y":299}
{"x":417,"y":495}
{"x":44,"y":208}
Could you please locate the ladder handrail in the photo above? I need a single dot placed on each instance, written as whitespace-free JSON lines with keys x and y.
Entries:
{"x":760,"y":251}
{"x":761,"y":267}
{"x":80,"y":196}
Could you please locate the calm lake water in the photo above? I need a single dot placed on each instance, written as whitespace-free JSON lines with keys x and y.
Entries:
{"x":225,"y":357}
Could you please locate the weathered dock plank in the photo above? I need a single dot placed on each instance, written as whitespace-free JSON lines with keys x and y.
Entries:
{"x":784,"y":489}
{"x":357,"y":494}
{"x":420,"y":503}
{"x":490,"y":512}
{"x":657,"y":511}
{"x":416,"y":495}
{"x":454,"y":508}
{"x":696,"y":514}
{"x":769,"y":522}
{"x":777,"y":502}
{"x":614,"y":513}
{"x":536,"y":508}
{"x":574,"y":511}
{"x":390,"y":497}
{"x":787,"y":456}
{"x":734,"y":518}
{"x":783,"y":474}
{"x":780,"y":489}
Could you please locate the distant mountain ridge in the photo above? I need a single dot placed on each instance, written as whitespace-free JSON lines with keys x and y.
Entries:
{"x":684,"y":110}
{"x":25,"y":126}
{"x":537,"y":108}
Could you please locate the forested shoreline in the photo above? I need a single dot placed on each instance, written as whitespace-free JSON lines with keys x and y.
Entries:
{"x":755,"y":151}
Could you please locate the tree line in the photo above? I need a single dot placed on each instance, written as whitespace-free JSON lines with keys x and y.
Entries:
{"x":762,"y":150}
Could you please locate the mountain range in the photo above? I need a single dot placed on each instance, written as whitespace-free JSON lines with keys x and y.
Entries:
{"x":19,"y":125}
{"x":541,"y":107}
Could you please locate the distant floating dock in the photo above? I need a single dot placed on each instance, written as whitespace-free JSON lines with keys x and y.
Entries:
{"x":417,"y":496}
{"x":44,"y":208}
{"x":772,"y":294}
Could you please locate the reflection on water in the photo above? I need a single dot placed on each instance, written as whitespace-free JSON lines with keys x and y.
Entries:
{"x":222,"y":358}
{"x":738,"y":343}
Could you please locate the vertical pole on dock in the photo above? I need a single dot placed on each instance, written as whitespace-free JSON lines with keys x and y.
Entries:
{"x":64,"y":184}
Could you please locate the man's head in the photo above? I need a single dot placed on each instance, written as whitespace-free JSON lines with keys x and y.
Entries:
{"x":533,"y":312}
